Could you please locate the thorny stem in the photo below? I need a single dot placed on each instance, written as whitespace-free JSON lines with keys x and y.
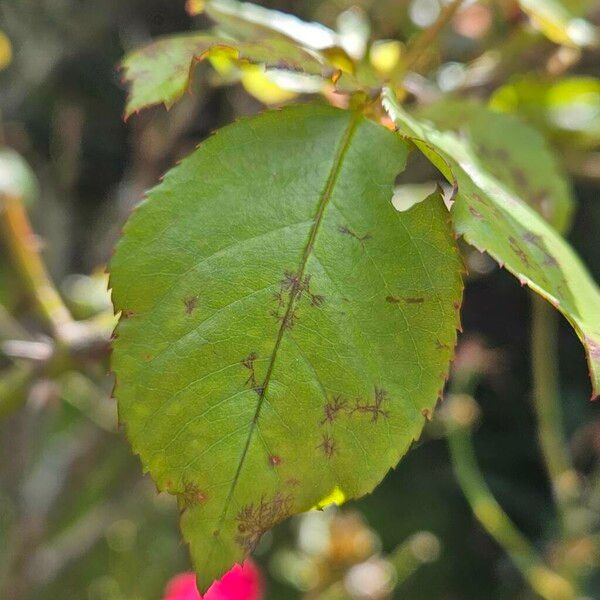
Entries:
{"x":547,"y":406}
{"x":547,"y":583}
{"x":22,"y":244}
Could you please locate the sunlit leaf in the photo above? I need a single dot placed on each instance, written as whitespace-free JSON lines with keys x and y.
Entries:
{"x":515,"y":153}
{"x":494,"y":219}
{"x":257,"y":83}
{"x":16,"y":177}
{"x":354,"y":30}
{"x":285,"y":331}
{"x":567,"y":110}
{"x":161,"y":72}
{"x":248,"y":21}
{"x":385,"y":55}
{"x":561,"y":21}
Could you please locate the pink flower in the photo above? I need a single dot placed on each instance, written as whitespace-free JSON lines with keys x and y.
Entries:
{"x":242,"y":582}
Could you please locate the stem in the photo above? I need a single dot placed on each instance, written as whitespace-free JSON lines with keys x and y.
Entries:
{"x":426,"y":37}
{"x":14,"y":383}
{"x":546,"y":403}
{"x":22,"y":244}
{"x":544,"y":581}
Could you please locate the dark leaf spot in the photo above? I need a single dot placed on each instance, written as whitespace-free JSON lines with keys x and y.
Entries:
{"x":327,"y":445}
{"x":332,"y":408}
{"x":190,"y":304}
{"x":254,"y":519}
{"x":373,"y":408}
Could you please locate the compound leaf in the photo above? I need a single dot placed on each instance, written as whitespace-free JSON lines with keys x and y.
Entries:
{"x":284,"y":329}
{"x":493,"y":218}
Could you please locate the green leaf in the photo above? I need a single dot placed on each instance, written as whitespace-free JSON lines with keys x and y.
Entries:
{"x":161,"y":72}
{"x":561,"y":22}
{"x":494,"y":219}
{"x":515,"y":153}
{"x":567,"y":110}
{"x":284,"y":329}
{"x":248,"y":21}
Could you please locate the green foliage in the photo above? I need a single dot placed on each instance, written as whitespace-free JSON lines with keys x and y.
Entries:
{"x":491,"y":217}
{"x":561,"y":22}
{"x":161,"y":72}
{"x":515,"y":153}
{"x":285,"y":331}
{"x":567,"y":110}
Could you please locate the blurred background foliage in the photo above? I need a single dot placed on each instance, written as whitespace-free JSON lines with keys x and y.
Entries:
{"x":77,"y":517}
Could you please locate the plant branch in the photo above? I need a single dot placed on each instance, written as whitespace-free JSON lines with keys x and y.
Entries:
{"x":460,"y":410}
{"x":546,"y":403}
{"x":427,"y":36}
{"x":22,"y":244}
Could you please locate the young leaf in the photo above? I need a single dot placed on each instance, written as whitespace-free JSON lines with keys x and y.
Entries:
{"x":284,"y":329}
{"x":513,"y":152}
{"x":161,"y":72}
{"x":492,"y":218}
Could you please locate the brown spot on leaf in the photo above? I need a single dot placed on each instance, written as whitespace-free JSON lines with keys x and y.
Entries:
{"x":248,"y":363}
{"x":516,"y":248}
{"x":414,"y":300}
{"x":327,"y":445}
{"x":502,"y":154}
{"x":294,"y":287}
{"x":519,"y":176}
{"x":274,"y":460}
{"x":533,"y":238}
{"x":427,"y":414}
{"x":254,"y":519}
{"x":190,"y":304}
{"x":475,"y":213}
{"x":332,"y":408}
{"x":191,"y":496}
{"x":594,"y":347}
{"x":345,"y":230}
{"x":373,"y":408}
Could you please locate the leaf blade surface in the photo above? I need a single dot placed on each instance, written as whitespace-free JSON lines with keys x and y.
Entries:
{"x":285,"y":329}
{"x":493,"y":219}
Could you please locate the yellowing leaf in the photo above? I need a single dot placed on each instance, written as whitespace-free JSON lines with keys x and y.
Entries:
{"x":6,"y":52}
{"x":385,"y":55}
{"x":257,"y":83}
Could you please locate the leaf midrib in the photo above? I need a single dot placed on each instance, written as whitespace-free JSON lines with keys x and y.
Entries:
{"x":324,"y":200}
